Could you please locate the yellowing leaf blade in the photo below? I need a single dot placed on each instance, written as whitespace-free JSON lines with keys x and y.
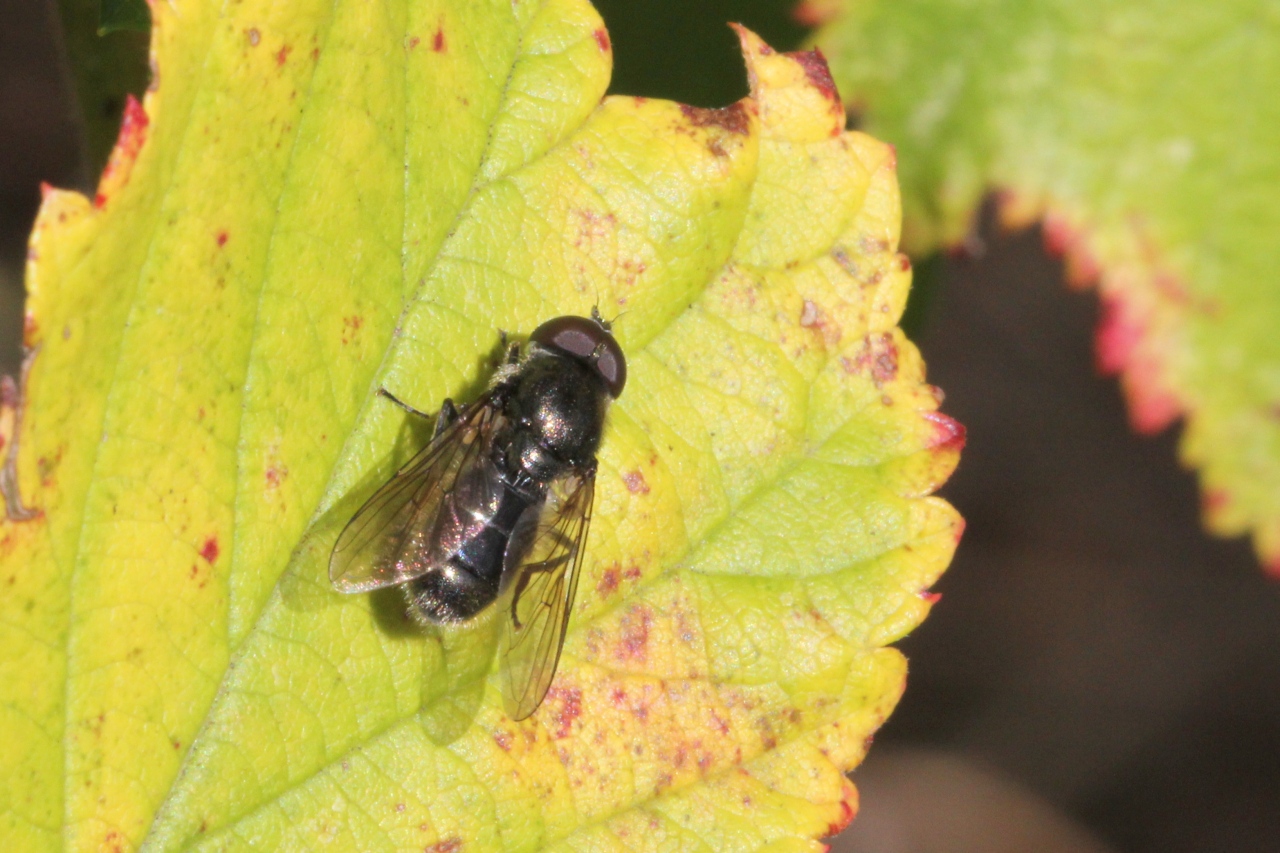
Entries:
{"x":312,"y":213}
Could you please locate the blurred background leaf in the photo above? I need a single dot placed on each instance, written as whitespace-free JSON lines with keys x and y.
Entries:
{"x":1147,"y":136}
{"x":118,"y":15}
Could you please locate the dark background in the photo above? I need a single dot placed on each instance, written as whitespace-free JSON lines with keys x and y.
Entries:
{"x":1099,"y":675}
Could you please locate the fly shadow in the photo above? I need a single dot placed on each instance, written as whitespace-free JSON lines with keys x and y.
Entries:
{"x":456,"y":658}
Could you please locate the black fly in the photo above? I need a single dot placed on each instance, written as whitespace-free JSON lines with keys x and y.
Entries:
{"x":496,"y":507}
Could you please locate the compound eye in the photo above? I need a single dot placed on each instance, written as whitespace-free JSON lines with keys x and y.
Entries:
{"x":590,"y":341}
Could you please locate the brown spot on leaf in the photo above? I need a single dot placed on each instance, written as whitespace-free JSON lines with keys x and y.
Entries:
{"x":276,"y":476}
{"x":282,"y":55}
{"x":503,"y":739}
{"x":253,"y":36}
{"x":815,"y":68}
{"x":414,"y":41}
{"x":351,"y":325}
{"x":733,"y":118}
{"x":438,"y":42}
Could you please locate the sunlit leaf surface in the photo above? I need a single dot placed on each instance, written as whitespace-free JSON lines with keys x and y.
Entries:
{"x":318,"y":200}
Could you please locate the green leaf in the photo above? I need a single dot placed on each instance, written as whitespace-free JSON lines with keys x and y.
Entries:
{"x":319,"y":201}
{"x":123,"y":15}
{"x":1146,"y":136}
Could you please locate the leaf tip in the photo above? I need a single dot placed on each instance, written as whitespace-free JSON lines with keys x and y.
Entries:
{"x":948,"y":433}
{"x":792,"y":88}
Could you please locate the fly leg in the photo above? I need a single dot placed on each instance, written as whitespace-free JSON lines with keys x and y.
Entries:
{"x":383,"y":392}
{"x":513,"y":350}
{"x":448,"y":414}
{"x":15,"y":396}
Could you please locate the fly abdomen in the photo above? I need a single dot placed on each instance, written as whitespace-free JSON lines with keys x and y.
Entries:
{"x":468,"y":581}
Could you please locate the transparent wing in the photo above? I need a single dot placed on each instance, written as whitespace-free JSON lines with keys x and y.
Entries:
{"x":388,"y":541}
{"x":540,"y":595}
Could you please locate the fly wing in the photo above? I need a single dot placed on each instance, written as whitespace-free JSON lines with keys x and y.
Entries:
{"x":540,"y":594}
{"x":388,"y":541}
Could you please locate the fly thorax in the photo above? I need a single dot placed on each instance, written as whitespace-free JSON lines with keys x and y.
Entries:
{"x":559,"y":405}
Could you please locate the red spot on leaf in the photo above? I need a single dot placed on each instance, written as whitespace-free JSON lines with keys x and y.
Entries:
{"x":636,"y":483}
{"x":1214,"y":501}
{"x":948,"y":433}
{"x":503,"y":740}
{"x":878,"y":357}
{"x":634,"y":642}
{"x":1151,"y":407}
{"x":931,"y":598}
{"x":1117,"y":336}
{"x":1271,"y":566}
{"x":222,"y":239}
{"x":113,"y":842}
{"x":438,"y":42}
{"x":1117,"y":348}
{"x":569,"y":708}
{"x":449,"y":845}
{"x":609,"y":581}
{"x":602,"y":39}
{"x":276,"y":476}
{"x":210,"y":549}
{"x":841,"y":823}
{"x":1057,"y":233}
{"x":414,"y":41}
{"x":30,"y":331}
{"x":282,"y":55}
{"x":133,"y":133}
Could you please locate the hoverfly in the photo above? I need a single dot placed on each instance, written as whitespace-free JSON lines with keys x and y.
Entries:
{"x":496,"y":507}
